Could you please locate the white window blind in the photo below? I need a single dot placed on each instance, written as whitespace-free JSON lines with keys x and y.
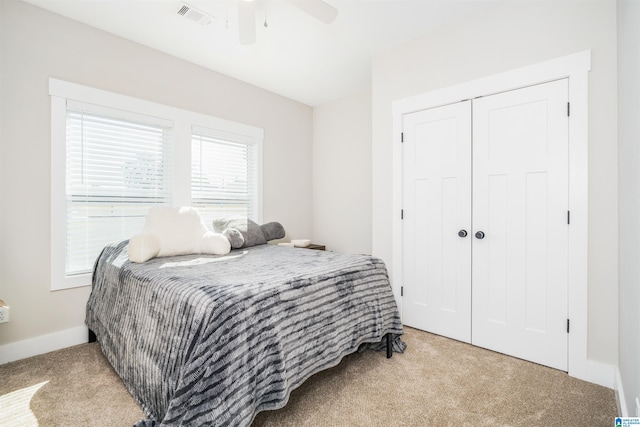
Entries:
{"x":118,"y":164}
{"x":224,"y":175}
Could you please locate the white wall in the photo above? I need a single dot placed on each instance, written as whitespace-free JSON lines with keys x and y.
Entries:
{"x":500,"y":39}
{"x":1,"y":107}
{"x":36,"y":45}
{"x":342,"y":174}
{"x":629,"y":206}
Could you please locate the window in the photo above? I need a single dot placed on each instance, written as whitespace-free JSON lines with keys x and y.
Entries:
{"x":115,"y":169}
{"x":223,"y":175}
{"x":113,"y":157}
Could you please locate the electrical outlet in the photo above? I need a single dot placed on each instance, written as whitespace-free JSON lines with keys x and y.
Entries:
{"x":4,"y":314}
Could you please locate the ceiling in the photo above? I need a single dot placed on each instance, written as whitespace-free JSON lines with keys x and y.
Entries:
{"x":295,"y":55}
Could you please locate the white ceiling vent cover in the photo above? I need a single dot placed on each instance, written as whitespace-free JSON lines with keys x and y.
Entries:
{"x":194,"y":14}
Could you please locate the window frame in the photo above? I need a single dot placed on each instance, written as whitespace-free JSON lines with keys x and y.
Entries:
{"x":183,"y":122}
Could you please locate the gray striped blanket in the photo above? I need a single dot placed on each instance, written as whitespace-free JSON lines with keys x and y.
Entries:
{"x":213,"y":340}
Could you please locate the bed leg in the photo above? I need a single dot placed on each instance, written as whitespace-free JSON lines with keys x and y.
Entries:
{"x":92,"y":336}
{"x":389,"y":346}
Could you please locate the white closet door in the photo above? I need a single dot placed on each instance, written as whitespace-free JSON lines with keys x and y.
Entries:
{"x":437,"y":206}
{"x":520,"y":203}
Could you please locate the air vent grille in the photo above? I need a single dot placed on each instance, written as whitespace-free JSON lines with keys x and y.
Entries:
{"x":194,"y":14}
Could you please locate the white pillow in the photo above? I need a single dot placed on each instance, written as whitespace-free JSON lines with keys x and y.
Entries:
{"x":143,"y":247}
{"x":214,"y":244}
{"x":175,"y":231}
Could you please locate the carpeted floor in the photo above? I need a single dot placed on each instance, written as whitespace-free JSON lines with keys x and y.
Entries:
{"x":436,"y":382}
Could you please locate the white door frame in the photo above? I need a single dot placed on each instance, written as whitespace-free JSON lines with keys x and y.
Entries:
{"x":576,"y":68}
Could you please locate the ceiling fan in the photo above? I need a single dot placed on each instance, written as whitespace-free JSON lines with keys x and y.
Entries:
{"x":247,"y":15}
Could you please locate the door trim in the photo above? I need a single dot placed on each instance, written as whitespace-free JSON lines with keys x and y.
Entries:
{"x":576,"y":68}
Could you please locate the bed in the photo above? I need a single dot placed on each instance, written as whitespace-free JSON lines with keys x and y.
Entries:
{"x":212,"y":340}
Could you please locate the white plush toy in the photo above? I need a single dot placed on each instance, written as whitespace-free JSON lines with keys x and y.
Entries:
{"x":175,"y":231}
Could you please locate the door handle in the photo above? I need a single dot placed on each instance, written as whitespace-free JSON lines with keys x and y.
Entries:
{"x":480,"y":235}
{"x":462,"y":233}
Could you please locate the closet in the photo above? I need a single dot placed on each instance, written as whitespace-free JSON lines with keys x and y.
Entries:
{"x":485,"y":188}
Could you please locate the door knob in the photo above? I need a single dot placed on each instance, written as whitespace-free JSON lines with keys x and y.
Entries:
{"x":462,"y":233}
{"x":479,"y":235}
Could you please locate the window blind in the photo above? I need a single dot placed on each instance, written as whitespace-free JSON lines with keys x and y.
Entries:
{"x":224,"y":176}
{"x":116,"y":168}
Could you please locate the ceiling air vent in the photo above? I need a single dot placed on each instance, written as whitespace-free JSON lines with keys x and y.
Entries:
{"x":194,"y":14}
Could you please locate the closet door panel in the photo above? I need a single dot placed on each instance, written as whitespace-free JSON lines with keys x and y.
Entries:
{"x":437,"y":206}
{"x":520,"y":203}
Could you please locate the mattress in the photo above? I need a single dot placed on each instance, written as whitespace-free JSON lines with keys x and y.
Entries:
{"x":213,"y":340}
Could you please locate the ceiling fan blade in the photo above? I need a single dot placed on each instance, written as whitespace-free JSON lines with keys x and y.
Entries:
{"x":247,"y":21}
{"x":318,"y":9}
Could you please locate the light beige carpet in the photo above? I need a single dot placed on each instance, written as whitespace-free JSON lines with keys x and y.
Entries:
{"x":436,"y":382}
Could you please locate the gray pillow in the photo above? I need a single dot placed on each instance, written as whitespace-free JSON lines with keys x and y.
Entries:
{"x":250,"y":231}
{"x":273,"y":230}
{"x":235,"y":237}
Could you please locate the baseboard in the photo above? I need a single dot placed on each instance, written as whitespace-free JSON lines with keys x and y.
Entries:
{"x":42,"y":344}
{"x":621,"y":403}
{"x":596,"y":372}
